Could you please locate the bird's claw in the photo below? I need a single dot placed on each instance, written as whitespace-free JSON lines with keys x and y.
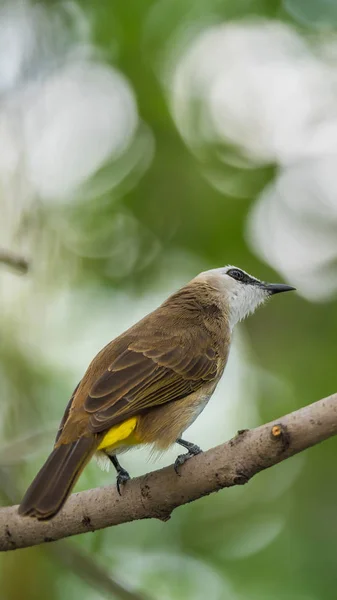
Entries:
{"x":122,"y":477}
{"x":182,"y":458}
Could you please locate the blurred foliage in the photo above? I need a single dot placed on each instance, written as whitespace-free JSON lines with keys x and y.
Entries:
{"x":273,"y":539}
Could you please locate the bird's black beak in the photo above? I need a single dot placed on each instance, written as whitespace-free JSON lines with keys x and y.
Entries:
{"x":277,"y":288}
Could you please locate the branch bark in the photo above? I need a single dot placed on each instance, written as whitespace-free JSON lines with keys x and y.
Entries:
{"x":14,"y":261}
{"x":157,"y":494}
{"x":72,"y":557}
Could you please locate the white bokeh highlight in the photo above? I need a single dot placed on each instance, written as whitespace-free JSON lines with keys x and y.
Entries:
{"x":65,"y":113}
{"x":268,"y":96}
{"x":81,"y":116}
{"x":255,"y":84}
{"x":172,"y":572}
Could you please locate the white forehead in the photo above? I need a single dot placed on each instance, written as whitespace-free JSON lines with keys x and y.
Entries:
{"x":224,"y":271}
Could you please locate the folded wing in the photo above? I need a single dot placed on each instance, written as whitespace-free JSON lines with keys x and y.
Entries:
{"x":142,"y":377}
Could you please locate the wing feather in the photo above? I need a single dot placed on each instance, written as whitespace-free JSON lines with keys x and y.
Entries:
{"x":142,"y":377}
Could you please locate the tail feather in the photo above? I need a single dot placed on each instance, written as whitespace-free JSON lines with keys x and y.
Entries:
{"x":54,"y":482}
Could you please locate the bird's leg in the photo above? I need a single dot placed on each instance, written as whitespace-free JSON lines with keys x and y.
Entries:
{"x":192,"y":450}
{"x":122,"y":475}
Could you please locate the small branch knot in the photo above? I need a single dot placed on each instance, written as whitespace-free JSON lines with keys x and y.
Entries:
{"x":240,"y":436}
{"x":240,"y":478}
{"x":86,"y":522}
{"x":276,"y":430}
{"x":280,"y":433}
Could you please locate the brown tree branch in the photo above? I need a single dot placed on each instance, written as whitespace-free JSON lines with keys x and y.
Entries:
{"x":157,"y":494}
{"x":14,"y":261}
{"x":73,"y":558}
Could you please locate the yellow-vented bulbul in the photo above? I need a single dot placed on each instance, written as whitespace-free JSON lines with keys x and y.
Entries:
{"x":150,"y":383}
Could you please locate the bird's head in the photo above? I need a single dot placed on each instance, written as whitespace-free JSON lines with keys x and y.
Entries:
{"x":243,"y":292}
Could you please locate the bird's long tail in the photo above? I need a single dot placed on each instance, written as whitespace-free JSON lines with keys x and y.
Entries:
{"x":54,"y":482}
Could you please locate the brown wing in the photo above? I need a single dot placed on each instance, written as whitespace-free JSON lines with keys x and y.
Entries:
{"x":143,"y":377}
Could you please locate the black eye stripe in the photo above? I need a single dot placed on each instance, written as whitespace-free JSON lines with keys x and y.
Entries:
{"x":241,"y":276}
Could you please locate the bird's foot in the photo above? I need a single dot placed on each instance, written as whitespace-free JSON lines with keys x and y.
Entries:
{"x":122,"y":477}
{"x":193,"y":450}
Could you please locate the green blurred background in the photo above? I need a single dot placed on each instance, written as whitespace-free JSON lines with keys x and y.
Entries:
{"x":142,"y":142}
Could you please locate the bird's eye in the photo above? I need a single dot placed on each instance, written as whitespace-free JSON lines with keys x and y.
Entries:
{"x":236,"y":274}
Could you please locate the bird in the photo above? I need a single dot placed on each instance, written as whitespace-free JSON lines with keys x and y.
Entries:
{"x":148,"y":385}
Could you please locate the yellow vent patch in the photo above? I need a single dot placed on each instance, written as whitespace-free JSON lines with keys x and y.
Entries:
{"x":118,"y":435}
